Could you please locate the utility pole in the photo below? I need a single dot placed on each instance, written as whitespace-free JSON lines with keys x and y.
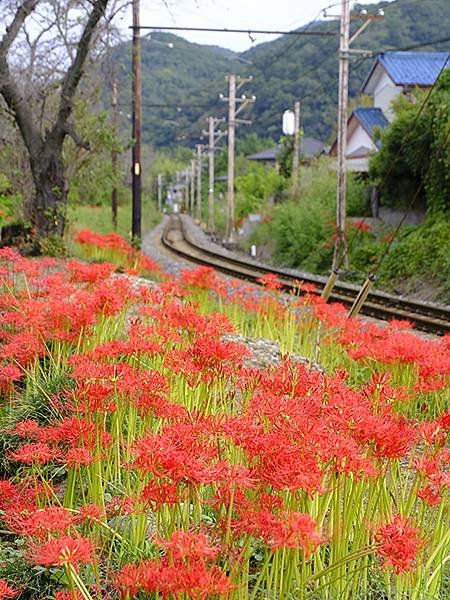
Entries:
{"x":213,"y":137}
{"x":340,"y":246}
{"x":192,"y":200}
{"x":340,"y":254}
{"x":160,"y":177}
{"x":234,"y":84}
{"x":198,"y":212}
{"x":114,"y":158}
{"x":296,"y":157}
{"x":136,"y":232}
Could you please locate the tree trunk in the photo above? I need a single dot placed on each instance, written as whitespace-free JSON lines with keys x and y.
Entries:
{"x":49,"y":206}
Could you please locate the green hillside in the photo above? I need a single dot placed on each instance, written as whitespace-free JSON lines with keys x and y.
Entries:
{"x":181,"y":84}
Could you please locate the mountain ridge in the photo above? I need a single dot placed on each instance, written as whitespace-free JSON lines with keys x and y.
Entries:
{"x":186,"y":80}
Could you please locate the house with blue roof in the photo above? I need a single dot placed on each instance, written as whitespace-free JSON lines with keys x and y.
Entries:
{"x":393,"y":74}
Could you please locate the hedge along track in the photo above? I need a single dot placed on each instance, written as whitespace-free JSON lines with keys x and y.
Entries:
{"x":425,"y":316}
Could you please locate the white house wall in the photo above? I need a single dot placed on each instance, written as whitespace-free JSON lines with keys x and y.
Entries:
{"x":359,"y":137}
{"x":384,"y":92}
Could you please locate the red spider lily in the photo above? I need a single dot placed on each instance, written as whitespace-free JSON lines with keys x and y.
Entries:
{"x":207,"y":359}
{"x":90,"y":513}
{"x":398,"y":544}
{"x":89,"y":273}
{"x":39,"y":523}
{"x":120,"y":506}
{"x":289,"y":530}
{"x":69,"y":595}
{"x":157,"y":494}
{"x":186,"y":569}
{"x":203,"y":278}
{"x":430,"y":494}
{"x":38,"y":452}
{"x":78,"y":457}
{"x":64,"y":550}
{"x":6,"y":591}
{"x":270,"y":282}
{"x":8,"y":375}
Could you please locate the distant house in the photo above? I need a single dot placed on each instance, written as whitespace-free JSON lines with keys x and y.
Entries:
{"x":395,"y":73}
{"x":361,"y":128}
{"x":392,"y":74}
{"x":309,"y":149}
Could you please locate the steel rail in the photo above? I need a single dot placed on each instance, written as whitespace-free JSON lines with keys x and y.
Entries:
{"x":430,"y":317}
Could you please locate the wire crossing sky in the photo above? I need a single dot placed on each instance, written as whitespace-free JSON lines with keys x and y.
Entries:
{"x":235,"y":14}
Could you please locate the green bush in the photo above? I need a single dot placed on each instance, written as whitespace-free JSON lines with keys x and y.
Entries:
{"x":9,"y":202}
{"x":303,"y":227}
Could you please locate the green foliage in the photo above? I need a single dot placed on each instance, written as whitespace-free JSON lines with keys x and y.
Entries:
{"x":255,"y":189}
{"x":414,"y":159}
{"x":89,"y":171}
{"x":9,"y":202}
{"x":302,"y":228}
{"x":420,"y":253}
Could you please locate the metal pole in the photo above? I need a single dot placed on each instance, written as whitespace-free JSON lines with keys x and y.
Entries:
{"x":211,"y":176}
{"x":136,"y":232}
{"x":231,"y":233}
{"x":340,"y":247}
{"x":296,"y":157}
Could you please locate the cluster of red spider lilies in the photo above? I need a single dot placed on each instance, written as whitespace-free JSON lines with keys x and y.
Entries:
{"x":144,"y":455}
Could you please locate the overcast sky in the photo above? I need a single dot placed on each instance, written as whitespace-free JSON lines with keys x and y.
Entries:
{"x":234,"y":14}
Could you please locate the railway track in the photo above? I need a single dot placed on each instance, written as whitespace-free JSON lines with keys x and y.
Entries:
{"x":429,"y":317}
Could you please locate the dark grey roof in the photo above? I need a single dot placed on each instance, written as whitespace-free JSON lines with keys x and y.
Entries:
{"x":309,"y":148}
{"x":270,"y":154}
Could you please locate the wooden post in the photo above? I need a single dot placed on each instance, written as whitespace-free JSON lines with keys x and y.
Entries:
{"x":136,"y":232}
{"x":231,"y":233}
{"x":199,"y":182}
{"x":296,"y":156}
{"x":114,"y":158}
{"x":159,"y":192}
{"x":340,"y":247}
{"x":211,"y":175}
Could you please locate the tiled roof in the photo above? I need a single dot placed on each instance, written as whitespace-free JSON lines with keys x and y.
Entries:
{"x":412,"y":68}
{"x":309,"y":147}
{"x":371,"y":118}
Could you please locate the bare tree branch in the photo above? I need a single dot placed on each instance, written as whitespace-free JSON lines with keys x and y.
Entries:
{"x":8,"y":87}
{"x":12,"y":31}
{"x":75,"y":71}
{"x":70,"y":130}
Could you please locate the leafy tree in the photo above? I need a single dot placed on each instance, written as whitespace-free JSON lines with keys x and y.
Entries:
{"x":62,"y":31}
{"x":415,"y":152}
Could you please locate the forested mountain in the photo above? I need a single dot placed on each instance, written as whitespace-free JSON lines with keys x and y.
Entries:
{"x":181,"y":85}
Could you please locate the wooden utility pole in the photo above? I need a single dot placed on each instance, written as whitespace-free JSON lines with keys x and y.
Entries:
{"x":340,"y":255}
{"x":160,"y":178}
{"x":114,"y":157}
{"x":192,"y":199}
{"x":136,"y":231}
{"x":340,"y":246}
{"x":211,"y":175}
{"x":231,"y":233}
{"x":296,"y":156}
{"x":234,"y":83}
{"x":213,"y":137}
{"x":198,"y":212}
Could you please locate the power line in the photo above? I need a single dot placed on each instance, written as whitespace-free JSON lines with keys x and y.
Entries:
{"x":246,"y":31}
